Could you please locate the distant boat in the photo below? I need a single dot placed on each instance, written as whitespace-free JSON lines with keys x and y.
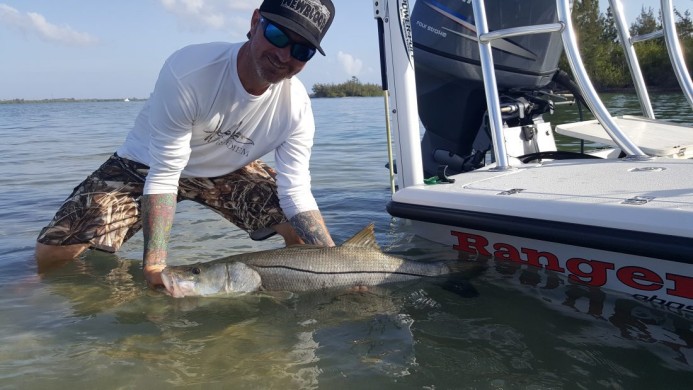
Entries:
{"x":126,"y":100}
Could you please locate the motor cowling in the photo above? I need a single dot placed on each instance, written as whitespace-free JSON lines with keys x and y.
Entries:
{"x":449,"y":81}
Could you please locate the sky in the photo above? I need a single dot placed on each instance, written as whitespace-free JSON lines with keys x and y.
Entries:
{"x":114,"y":49}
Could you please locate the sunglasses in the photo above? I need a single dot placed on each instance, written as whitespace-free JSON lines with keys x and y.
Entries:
{"x":278,"y":38}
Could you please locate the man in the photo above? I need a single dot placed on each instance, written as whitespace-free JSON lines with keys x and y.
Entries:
{"x":216,"y":108}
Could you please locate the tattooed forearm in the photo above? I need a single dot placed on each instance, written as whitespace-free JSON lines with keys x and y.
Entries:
{"x":157,"y":218}
{"x":311,"y":228}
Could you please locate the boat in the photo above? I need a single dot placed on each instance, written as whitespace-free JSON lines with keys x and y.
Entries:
{"x":486,"y":177}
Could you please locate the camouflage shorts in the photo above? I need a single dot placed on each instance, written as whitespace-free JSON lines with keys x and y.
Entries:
{"x":104,"y":210}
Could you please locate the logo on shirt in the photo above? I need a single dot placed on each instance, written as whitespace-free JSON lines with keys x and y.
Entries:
{"x":232,"y":138}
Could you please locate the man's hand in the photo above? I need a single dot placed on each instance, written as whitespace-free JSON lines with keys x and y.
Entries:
{"x":152,"y":274}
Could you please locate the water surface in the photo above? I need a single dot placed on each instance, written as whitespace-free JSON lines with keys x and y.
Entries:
{"x":93,"y":324}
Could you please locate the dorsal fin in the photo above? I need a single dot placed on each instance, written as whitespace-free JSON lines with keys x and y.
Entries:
{"x":363,"y":239}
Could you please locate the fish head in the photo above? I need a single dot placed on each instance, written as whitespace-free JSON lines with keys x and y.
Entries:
{"x":194,"y":280}
{"x":206,"y":279}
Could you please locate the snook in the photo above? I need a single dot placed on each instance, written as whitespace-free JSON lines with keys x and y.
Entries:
{"x":357,"y":262}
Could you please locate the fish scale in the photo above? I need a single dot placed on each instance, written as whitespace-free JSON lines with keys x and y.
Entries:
{"x":301,"y":270}
{"x":357,"y":262}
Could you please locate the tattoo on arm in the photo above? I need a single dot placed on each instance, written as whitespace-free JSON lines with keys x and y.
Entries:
{"x":311,"y":228}
{"x":157,"y":218}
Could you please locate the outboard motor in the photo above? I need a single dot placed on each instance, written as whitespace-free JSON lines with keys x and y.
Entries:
{"x":449,"y":81}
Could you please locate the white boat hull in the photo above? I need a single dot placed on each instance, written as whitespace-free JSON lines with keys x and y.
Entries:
{"x":666,"y":283}
{"x":628,"y":228}
{"x":624,"y":224}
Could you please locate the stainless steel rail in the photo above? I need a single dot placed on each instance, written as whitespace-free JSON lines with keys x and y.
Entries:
{"x":673,"y":45}
{"x":587,"y":89}
{"x":627,"y":42}
{"x":565,"y":26}
{"x":674,"y":48}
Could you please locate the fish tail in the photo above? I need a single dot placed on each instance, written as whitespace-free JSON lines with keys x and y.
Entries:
{"x":464,"y":267}
{"x":460,"y":273}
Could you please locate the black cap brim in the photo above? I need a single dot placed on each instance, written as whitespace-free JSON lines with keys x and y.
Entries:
{"x":293,"y":26}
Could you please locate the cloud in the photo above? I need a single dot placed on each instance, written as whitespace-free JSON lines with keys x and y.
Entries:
{"x":352,"y":66}
{"x":201,"y":15}
{"x":32,"y":23}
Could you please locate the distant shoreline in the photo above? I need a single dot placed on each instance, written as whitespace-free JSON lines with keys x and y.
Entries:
{"x":73,"y":100}
{"x":653,"y":90}
{"x":67,"y":100}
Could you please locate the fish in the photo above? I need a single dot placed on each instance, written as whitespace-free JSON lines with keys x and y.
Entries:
{"x":357,"y":263}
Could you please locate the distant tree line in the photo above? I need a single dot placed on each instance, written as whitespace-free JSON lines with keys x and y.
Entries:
{"x":600,"y":49}
{"x":65,"y":100}
{"x":351,"y":87}
{"x":603,"y":55}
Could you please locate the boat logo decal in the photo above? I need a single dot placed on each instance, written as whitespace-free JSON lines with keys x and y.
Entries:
{"x":405,"y":29}
{"x":677,"y":288}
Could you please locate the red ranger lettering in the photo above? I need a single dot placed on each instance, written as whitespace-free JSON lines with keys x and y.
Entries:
{"x":584,"y":271}
{"x":596,"y":275}
{"x":630,"y":276}
{"x":683,"y":286}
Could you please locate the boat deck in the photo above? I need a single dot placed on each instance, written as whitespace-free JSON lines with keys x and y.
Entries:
{"x":653,"y":137}
{"x":654,"y":196}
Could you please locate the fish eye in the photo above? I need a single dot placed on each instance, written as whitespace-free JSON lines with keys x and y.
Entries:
{"x":196,"y":271}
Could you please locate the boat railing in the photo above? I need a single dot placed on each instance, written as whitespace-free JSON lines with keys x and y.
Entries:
{"x":564,"y":25}
{"x":668,"y":32}
{"x":397,"y":66}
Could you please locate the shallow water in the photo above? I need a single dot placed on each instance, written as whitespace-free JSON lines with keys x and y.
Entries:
{"x":93,"y":323}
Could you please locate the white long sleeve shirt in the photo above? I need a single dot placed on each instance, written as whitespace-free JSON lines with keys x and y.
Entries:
{"x":201,"y":122}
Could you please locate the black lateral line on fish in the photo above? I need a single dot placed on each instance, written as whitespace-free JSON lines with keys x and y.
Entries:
{"x":341,"y":272}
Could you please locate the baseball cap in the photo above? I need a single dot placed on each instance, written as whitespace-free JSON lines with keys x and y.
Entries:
{"x":307,"y":18}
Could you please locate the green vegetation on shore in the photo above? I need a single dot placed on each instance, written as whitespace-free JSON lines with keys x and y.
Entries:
{"x":352,"y":87}
{"x":603,"y":55}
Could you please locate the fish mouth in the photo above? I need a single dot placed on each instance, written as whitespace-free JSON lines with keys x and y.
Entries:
{"x":171,"y":285}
